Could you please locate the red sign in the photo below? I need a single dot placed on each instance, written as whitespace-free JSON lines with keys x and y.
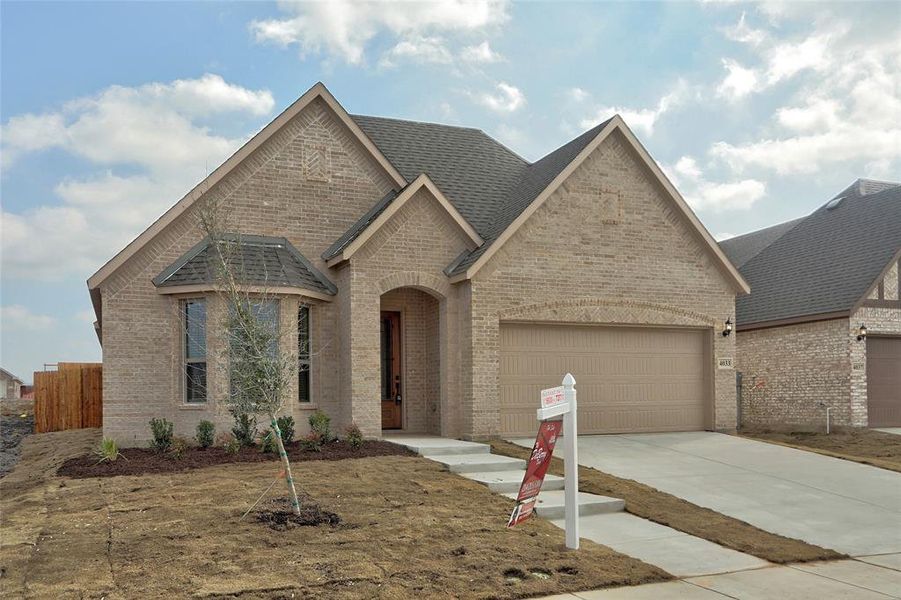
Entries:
{"x":539,"y":462}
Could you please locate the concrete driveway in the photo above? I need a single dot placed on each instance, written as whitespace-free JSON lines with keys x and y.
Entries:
{"x":837,"y":504}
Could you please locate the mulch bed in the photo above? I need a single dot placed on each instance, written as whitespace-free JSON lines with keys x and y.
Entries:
{"x":140,"y":461}
{"x":278,"y":514}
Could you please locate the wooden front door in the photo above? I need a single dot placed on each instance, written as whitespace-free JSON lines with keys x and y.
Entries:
{"x":392,"y":398}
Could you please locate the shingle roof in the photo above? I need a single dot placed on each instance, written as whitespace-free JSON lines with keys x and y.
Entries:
{"x":488,"y":183}
{"x":827,"y":261}
{"x":256,"y":260}
{"x":9,"y":375}
{"x":743,"y":248}
{"x":357,"y":228}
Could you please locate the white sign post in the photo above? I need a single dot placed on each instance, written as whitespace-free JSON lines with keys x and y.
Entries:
{"x":562,"y":401}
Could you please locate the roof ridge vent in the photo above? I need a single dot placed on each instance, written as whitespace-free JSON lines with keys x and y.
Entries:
{"x":834,"y":203}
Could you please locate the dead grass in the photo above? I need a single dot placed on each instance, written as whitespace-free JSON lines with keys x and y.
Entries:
{"x":867,"y":446}
{"x":408,"y":530}
{"x":666,"y":509}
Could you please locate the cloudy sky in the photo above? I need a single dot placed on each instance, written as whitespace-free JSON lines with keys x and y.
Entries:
{"x":110,"y":112}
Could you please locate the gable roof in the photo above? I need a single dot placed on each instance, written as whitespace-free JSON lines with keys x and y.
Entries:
{"x":258,"y":260}
{"x":742,"y":248}
{"x":9,"y":375}
{"x":825,"y":263}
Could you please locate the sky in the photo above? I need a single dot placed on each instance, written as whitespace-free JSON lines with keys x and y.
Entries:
{"x":110,"y":112}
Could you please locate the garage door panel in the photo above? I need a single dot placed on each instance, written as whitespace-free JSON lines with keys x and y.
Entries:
{"x":884,"y":381}
{"x":629,"y":379}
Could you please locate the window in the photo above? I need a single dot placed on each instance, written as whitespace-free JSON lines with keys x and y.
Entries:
{"x":195,"y":350}
{"x":303,"y":353}
{"x":244,"y":365}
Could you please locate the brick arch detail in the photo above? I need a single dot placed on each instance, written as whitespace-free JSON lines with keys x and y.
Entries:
{"x":435,"y":286}
{"x":600,"y":310}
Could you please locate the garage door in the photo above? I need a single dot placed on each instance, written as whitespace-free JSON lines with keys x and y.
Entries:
{"x":884,"y":381}
{"x":629,"y":379}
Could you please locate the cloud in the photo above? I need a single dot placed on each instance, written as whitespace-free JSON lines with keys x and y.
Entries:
{"x":480,"y":53}
{"x":20,"y":318}
{"x":717,"y":197}
{"x":344,"y":29}
{"x":742,"y":32}
{"x":150,"y":143}
{"x":505,"y":99}
{"x":643,"y":119}
{"x":739,"y":81}
{"x":419,"y":50}
{"x":816,"y":115}
{"x":577,"y":94}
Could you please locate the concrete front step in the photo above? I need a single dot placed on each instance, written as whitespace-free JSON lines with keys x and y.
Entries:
{"x":435,"y":446}
{"x":477,"y":463}
{"x":551,"y":504}
{"x":503,"y":482}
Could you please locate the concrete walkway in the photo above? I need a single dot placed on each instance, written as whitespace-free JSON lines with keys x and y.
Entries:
{"x":875,"y":577}
{"x":602,"y":519}
{"x":894,"y":430}
{"x":837,"y":504}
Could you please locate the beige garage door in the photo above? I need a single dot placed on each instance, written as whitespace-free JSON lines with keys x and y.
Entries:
{"x":629,"y":379}
{"x":884,"y":381}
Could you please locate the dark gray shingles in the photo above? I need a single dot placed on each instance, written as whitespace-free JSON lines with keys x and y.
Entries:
{"x":743,"y":248}
{"x":826,"y":262}
{"x":357,"y":228}
{"x":257,"y":260}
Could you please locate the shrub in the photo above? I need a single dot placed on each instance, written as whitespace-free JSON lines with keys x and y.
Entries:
{"x":108,"y":450}
{"x":245,"y":429}
{"x":178,"y":448}
{"x":312,"y":442}
{"x":231,"y":446}
{"x":206,"y":433}
{"x":286,"y":426}
{"x":162,"y":434}
{"x":353,"y":436}
{"x":320,"y":423}
{"x":267,"y":442}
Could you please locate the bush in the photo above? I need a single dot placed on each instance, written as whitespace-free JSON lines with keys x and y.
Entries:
{"x":178,"y":448}
{"x":267,"y":442}
{"x":353,"y":436}
{"x":245,"y":429}
{"x":206,"y":433}
{"x":231,"y":446}
{"x":312,"y":442}
{"x":320,"y":423}
{"x":286,"y":427}
{"x":162,"y":434}
{"x":108,"y":450}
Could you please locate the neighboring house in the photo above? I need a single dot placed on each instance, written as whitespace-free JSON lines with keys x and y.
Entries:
{"x":10,"y":384}
{"x":816,"y":281}
{"x":438,"y":280}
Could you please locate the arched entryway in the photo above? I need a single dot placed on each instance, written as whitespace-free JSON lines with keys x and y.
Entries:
{"x":410,"y":360}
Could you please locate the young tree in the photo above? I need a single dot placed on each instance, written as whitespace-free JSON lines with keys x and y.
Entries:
{"x":259,"y":374}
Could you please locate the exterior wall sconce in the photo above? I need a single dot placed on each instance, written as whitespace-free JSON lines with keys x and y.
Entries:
{"x":727,"y":328}
{"x":861,"y":333}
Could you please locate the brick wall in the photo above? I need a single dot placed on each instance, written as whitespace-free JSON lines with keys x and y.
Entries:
{"x":274,"y":192}
{"x":607,"y":247}
{"x":787,"y":372}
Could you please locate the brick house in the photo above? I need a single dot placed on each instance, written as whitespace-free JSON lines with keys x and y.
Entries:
{"x":438,"y":280}
{"x":816,"y":281}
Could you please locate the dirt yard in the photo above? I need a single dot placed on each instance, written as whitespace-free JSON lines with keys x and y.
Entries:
{"x":867,"y":446}
{"x":407,"y":530}
{"x":666,"y":509}
{"x":16,"y":421}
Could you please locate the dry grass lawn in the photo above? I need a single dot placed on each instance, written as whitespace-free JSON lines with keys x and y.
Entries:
{"x":409,"y":530}
{"x":866,"y":446}
{"x":666,"y":509}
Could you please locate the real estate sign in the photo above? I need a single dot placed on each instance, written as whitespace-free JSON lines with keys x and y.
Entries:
{"x":539,"y":462}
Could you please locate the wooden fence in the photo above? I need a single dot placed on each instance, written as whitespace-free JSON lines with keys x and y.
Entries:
{"x":69,"y":398}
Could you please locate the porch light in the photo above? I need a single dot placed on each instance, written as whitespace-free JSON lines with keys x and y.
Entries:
{"x":727,"y":328}
{"x":861,"y":333}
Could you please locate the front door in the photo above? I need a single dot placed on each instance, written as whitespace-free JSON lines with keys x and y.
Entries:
{"x":392,"y":399}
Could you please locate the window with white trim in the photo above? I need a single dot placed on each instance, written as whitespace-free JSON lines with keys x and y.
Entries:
{"x":304,"y":340}
{"x":194,"y":351}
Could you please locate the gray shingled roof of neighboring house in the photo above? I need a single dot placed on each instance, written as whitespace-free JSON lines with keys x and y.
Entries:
{"x":258,"y":260}
{"x":825,"y":262}
{"x":742,"y":248}
{"x":488,"y":183}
